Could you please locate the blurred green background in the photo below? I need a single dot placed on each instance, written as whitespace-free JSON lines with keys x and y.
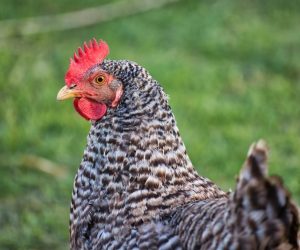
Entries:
{"x":230,"y":67}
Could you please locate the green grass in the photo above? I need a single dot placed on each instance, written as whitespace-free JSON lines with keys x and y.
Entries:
{"x":231,"y":69}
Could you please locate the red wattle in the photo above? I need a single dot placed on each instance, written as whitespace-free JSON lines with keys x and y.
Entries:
{"x":88,"y":109}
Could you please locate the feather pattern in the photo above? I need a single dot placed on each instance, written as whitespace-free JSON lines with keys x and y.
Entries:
{"x":136,"y":187}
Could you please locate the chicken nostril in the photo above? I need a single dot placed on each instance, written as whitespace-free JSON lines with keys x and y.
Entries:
{"x":72,"y":86}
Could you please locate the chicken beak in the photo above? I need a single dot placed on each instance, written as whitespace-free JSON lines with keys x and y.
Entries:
{"x":66,"y":93}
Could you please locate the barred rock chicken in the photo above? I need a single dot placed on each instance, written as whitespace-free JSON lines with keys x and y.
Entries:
{"x":136,"y":187}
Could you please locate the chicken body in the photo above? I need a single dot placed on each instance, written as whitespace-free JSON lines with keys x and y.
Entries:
{"x":136,"y":187}
{"x":135,"y":167}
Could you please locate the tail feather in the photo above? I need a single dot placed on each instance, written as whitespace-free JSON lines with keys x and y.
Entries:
{"x":255,"y":166}
{"x":263,"y":204}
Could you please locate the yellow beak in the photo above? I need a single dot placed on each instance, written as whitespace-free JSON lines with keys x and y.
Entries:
{"x":66,"y":93}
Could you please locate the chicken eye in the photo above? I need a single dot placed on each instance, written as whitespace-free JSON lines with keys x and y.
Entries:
{"x":100,"y":79}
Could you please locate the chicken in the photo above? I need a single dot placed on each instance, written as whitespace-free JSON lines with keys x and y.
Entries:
{"x":136,"y":187}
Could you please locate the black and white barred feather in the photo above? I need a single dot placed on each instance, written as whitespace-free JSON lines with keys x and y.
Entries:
{"x":136,"y":187}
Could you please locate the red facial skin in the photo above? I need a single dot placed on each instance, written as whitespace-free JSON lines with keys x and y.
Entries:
{"x":95,"y":93}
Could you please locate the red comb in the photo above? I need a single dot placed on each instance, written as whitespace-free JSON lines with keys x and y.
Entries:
{"x":92,"y":53}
